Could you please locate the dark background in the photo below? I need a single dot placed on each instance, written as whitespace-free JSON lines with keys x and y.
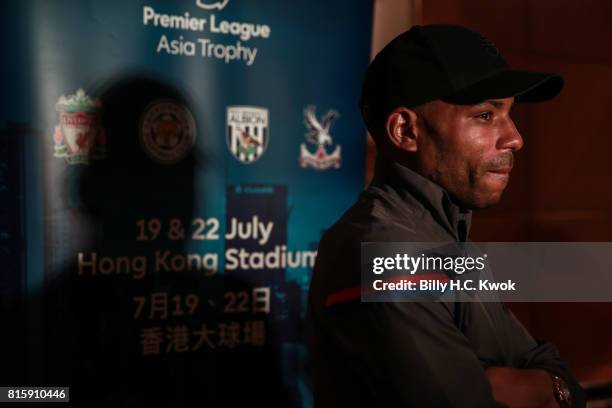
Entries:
{"x":560,"y":189}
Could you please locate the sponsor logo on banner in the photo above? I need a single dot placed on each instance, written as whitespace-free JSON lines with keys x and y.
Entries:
{"x":167,"y":131}
{"x":211,"y":5}
{"x":79,"y":137}
{"x":247,"y":132}
{"x":319,"y":135}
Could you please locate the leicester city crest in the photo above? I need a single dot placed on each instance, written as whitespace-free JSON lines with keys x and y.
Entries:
{"x":247,"y":132}
{"x":167,"y":131}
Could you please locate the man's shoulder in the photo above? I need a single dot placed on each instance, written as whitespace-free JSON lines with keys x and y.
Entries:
{"x":380,"y":214}
{"x":376,"y":217}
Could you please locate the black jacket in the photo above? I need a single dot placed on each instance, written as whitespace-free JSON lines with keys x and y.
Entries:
{"x":408,"y":354}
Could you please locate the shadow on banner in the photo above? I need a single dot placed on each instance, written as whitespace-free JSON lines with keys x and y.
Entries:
{"x":114,"y":319}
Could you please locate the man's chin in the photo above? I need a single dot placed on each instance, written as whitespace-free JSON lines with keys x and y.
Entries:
{"x":487,"y":201}
{"x":483,"y":195}
{"x":482,"y":200}
{"x":490,"y":191}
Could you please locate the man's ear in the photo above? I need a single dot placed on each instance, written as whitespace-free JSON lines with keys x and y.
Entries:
{"x":401,"y":129}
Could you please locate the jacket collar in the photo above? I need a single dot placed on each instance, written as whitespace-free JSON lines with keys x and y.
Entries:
{"x":433,"y":198}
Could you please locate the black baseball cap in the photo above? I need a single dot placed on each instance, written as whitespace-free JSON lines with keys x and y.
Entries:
{"x":447,"y":62}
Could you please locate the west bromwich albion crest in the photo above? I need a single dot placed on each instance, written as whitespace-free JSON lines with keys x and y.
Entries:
{"x":247,"y":132}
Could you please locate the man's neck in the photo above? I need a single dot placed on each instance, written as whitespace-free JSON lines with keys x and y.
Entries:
{"x":431,"y":196}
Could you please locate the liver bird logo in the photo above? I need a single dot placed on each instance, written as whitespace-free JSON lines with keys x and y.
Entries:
{"x":82,"y":141}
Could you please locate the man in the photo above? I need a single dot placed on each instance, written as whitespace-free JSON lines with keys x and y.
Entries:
{"x":437,"y":101}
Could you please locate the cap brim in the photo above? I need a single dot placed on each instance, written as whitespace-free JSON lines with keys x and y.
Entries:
{"x":525,"y":86}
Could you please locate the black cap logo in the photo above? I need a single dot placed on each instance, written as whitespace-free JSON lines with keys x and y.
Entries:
{"x":489,"y":46}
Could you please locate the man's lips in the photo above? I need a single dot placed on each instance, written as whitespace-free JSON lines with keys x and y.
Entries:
{"x":501,"y":165}
{"x":501,"y":170}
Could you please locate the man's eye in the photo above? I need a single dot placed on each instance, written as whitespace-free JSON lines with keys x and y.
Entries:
{"x":487,"y":116}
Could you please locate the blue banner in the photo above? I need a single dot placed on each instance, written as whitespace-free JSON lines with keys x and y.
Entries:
{"x":166,"y":171}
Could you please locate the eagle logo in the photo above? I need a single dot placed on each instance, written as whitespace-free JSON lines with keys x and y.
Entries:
{"x":318,"y":133}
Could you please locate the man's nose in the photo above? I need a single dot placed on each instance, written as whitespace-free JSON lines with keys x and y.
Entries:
{"x":510,"y":138}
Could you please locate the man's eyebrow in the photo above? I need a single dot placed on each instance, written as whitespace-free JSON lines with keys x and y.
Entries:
{"x":496,"y":103}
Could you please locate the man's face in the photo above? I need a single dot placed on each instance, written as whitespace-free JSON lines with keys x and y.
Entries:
{"x":468,"y":149}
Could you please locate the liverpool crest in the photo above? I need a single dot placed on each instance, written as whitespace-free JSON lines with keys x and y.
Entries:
{"x":79,"y":137}
{"x":247,"y":132}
